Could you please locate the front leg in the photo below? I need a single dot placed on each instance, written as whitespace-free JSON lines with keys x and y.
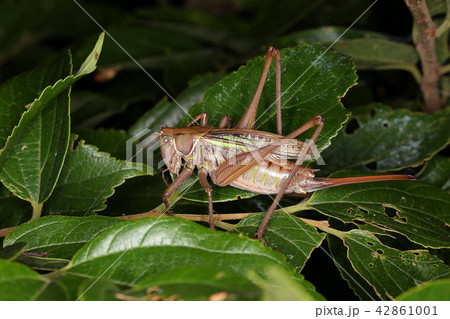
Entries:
{"x":176,"y":184}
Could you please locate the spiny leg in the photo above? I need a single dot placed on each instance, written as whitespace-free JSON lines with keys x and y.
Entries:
{"x":248,"y":119}
{"x":177,"y":183}
{"x":317,"y":120}
{"x":203,"y":177}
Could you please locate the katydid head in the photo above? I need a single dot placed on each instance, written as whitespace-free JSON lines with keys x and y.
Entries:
{"x":178,"y":144}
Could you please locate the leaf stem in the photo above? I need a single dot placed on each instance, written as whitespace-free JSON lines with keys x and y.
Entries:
{"x":37,"y":210}
{"x":405,"y":67}
{"x":446,"y":24}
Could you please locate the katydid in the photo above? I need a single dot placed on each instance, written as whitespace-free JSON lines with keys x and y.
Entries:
{"x":248,"y":159}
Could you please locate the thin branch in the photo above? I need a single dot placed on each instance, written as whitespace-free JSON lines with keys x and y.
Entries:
{"x":426,"y":49}
{"x":446,"y":24}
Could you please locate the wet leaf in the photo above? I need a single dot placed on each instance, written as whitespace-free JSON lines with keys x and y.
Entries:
{"x":59,"y":236}
{"x":383,"y":139}
{"x":287,"y":234}
{"x":19,"y":282}
{"x":391,"y":271}
{"x":415,"y":209}
{"x":88,"y":179}
{"x":151,"y":246}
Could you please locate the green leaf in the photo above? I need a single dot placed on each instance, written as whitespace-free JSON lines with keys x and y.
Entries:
{"x":285,"y":289}
{"x":19,"y":282}
{"x":90,"y":64}
{"x":313,"y":80}
{"x":88,"y":179}
{"x":438,"y":290}
{"x":33,"y":156}
{"x":131,"y":251}
{"x":374,"y":53}
{"x":437,"y":172}
{"x":357,"y":283}
{"x":325,"y":35}
{"x":21,"y":90}
{"x":287,"y":234}
{"x":107,"y":140}
{"x":200,"y":283}
{"x":387,"y":139}
{"x":417,"y":210}
{"x":391,"y":271}
{"x":14,"y":211}
{"x":43,"y":263}
{"x":10,"y":252}
{"x":60,"y":236}
{"x":171,"y":113}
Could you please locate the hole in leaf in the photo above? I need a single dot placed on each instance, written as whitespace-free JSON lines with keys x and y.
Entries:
{"x":370,"y":243}
{"x":371,"y":265}
{"x":404,"y":260}
{"x":402,"y":220}
{"x":371,"y":165}
{"x":385,"y":124}
{"x":416,"y":253}
{"x":362,"y":210}
{"x":390,"y":212}
{"x":239,"y":197}
{"x":359,"y":222}
{"x":380,"y":252}
{"x":372,"y":112}
{"x":352,"y":126}
{"x":350,"y":210}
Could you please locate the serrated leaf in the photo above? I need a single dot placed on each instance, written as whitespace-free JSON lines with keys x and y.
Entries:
{"x":391,"y":271}
{"x":33,"y":156}
{"x":88,"y":179}
{"x":387,"y":139}
{"x":313,"y":80}
{"x":133,"y":250}
{"x":437,"y":172}
{"x":438,"y":290}
{"x":59,"y":236}
{"x":417,"y":210}
{"x":19,"y":282}
{"x":107,"y":140}
{"x":287,"y":234}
